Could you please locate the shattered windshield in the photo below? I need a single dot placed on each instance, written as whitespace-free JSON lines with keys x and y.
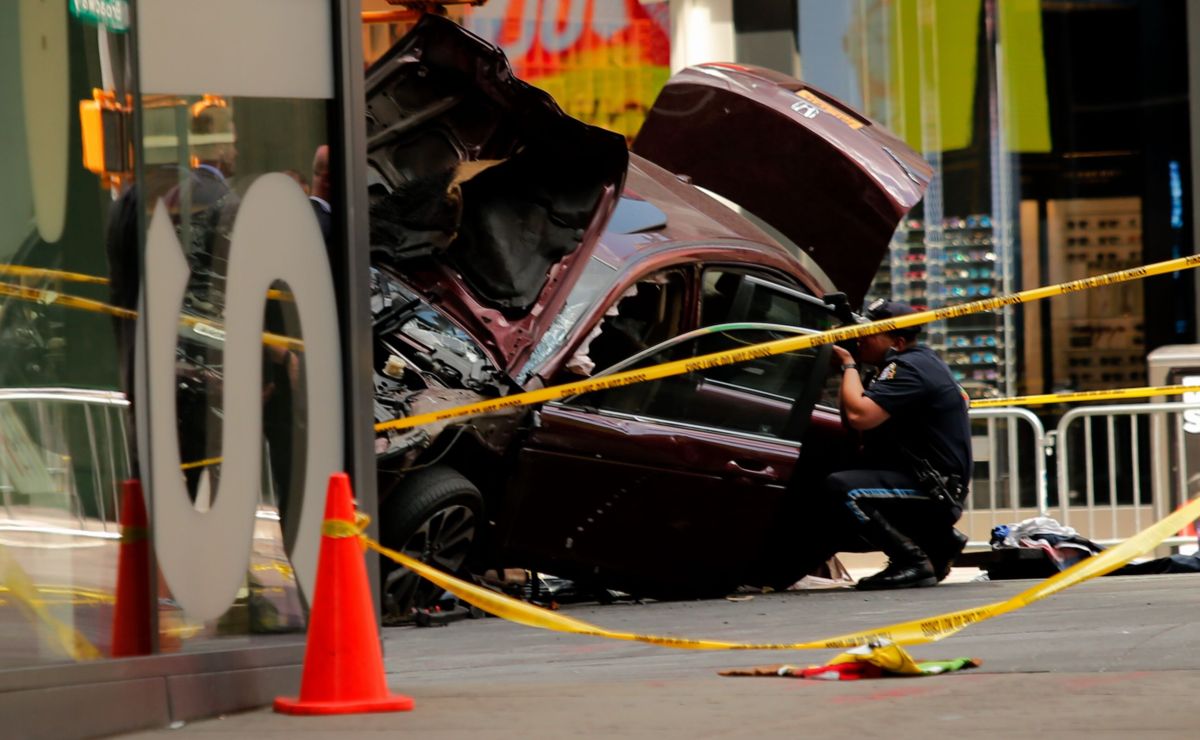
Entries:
{"x":597,"y":276}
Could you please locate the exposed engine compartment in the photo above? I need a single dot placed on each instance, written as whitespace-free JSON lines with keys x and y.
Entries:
{"x":422,"y":362}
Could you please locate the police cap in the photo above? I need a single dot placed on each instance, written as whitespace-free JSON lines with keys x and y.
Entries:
{"x":882,"y":308}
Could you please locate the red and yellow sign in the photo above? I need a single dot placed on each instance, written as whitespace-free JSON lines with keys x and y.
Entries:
{"x":604,"y":61}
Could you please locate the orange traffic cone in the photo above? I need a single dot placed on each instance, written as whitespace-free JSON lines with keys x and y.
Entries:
{"x":343,"y":662}
{"x":131,"y":615}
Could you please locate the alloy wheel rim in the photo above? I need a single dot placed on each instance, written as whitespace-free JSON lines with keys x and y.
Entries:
{"x":443,"y":540}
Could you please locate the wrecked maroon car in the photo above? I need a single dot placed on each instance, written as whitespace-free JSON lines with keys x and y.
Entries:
{"x":515,"y":247}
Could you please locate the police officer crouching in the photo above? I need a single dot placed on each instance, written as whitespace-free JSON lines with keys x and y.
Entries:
{"x":916,"y":445}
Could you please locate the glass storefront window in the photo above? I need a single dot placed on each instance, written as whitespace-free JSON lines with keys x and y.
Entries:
{"x":1058,"y":154}
{"x":919,"y":68}
{"x":218,"y":155}
{"x":1059,"y":136}
{"x":64,"y":422}
{"x":238,"y":219}
{"x":201,"y":154}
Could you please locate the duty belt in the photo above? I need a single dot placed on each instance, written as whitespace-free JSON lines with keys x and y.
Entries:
{"x":950,"y":490}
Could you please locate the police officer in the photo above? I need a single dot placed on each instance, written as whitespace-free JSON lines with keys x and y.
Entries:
{"x":917,"y":457}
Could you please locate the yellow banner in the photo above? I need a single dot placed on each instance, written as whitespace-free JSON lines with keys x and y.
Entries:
{"x":1024,"y":104}
{"x":934,"y":50}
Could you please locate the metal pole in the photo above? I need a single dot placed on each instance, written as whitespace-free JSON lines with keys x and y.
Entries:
{"x":1014,"y":487}
{"x":1137,"y":473}
{"x":991,"y":437}
{"x":1090,"y":474}
{"x":1111,"y":427}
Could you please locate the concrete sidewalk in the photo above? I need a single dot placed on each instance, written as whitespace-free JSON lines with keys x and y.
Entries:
{"x":1115,"y":656}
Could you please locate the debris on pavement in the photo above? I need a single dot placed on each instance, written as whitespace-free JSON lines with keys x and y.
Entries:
{"x":1170,"y":564}
{"x":1061,"y":547}
{"x":817,"y":583}
{"x":877,"y":660}
{"x":1062,"y":544}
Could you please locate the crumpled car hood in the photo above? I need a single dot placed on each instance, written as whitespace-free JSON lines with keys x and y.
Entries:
{"x":832,"y":181}
{"x":484,"y":194}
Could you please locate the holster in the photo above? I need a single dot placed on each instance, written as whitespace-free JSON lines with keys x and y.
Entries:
{"x":950,"y":490}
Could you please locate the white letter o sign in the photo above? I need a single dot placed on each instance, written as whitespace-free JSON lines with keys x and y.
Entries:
{"x":204,"y":556}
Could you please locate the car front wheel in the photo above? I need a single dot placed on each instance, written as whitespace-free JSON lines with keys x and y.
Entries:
{"x":434,"y":516}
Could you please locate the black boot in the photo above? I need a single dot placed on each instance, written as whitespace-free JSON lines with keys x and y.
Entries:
{"x":943,"y":554}
{"x":908,"y":566}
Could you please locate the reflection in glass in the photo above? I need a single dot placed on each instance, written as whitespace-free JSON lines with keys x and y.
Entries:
{"x":64,"y":420}
{"x":202,"y":155}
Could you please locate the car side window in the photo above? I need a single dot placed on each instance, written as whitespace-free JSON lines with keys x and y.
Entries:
{"x":731,"y":295}
{"x":757,"y":396}
{"x":597,"y":276}
{"x":649,"y":313}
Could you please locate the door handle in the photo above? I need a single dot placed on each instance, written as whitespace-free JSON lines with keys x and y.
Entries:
{"x":766,"y":472}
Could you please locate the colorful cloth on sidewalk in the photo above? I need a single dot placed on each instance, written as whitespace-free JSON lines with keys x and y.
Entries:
{"x":879,"y":660}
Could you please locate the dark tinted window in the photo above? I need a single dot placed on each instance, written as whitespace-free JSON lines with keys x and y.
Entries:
{"x":756,"y":396}
{"x":733,"y":296}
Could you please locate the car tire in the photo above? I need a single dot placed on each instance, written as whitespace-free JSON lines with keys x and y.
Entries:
{"x":433,"y":515}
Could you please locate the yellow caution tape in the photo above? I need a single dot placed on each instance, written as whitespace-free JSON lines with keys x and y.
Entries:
{"x":216,"y":331}
{"x":790,"y":344}
{"x":1111,"y":394}
{"x":201,"y":326}
{"x":201,"y":463}
{"x":65,"y":637}
{"x":914,"y":632}
{"x":338,"y":529}
{"x":45,"y":273}
{"x":46,"y":297}
{"x":69,"y":595}
{"x":283,"y":569}
{"x":79,"y":277}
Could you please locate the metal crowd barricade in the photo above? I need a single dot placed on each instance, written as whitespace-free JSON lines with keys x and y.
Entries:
{"x":41,"y":454}
{"x":1142,"y":475}
{"x":1014,"y":485}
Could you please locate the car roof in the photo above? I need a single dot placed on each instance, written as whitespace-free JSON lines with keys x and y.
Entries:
{"x":694,"y":219}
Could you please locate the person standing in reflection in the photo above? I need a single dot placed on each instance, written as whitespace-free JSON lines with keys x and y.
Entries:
{"x":202,"y":207}
{"x":284,"y":418}
{"x":320,"y":192}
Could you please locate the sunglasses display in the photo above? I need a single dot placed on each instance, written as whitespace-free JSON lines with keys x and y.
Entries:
{"x":1096,"y":338}
{"x":951,"y":261}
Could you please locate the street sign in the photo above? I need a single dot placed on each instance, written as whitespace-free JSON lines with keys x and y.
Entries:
{"x":112,"y":14}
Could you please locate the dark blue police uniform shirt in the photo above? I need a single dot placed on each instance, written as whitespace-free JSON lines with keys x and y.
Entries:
{"x":927,"y":414}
